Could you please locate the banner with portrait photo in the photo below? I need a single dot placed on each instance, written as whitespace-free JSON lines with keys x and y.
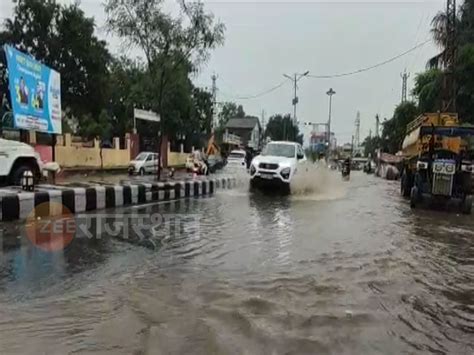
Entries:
{"x":35,"y":91}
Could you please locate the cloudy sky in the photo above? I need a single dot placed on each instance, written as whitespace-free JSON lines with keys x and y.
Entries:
{"x":265,"y":39}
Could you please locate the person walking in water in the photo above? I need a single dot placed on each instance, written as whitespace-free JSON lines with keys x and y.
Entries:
{"x":248,"y":157}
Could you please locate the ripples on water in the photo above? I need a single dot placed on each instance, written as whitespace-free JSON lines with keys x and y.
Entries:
{"x":353,"y":273}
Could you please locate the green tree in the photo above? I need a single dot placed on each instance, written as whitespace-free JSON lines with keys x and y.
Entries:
{"x":228,"y":111}
{"x":202,"y":110}
{"x":167,"y":42}
{"x":464,"y":72}
{"x":394,"y":130}
{"x":428,"y":90}
{"x":371,"y":144}
{"x":281,"y":127}
{"x":240,"y":112}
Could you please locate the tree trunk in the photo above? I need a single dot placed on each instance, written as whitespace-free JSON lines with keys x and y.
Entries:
{"x":160,"y":108}
{"x":101,"y":159}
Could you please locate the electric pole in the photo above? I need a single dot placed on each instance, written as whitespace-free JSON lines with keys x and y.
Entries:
{"x":295,"y":78}
{"x":449,"y":85}
{"x":357,"y":131}
{"x":377,"y":125}
{"x":404,"y":77}
{"x":214,"y":102}
{"x":330,"y":92}
{"x":352,"y":147}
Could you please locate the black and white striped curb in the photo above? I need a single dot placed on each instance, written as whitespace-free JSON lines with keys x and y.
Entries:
{"x":14,"y":206}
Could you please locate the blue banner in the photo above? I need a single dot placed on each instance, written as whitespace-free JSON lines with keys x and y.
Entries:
{"x":35,"y":93}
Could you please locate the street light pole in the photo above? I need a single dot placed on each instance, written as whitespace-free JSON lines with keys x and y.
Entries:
{"x":296,"y":77}
{"x":295,"y":100}
{"x":330,"y":92}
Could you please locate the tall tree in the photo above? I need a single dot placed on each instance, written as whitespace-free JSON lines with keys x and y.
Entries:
{"x":240,"y":112}
{"x":371,"y":144}
{"x":465,"y":83}
{"x":281,"y":127}
{"x":428,"y":90}
{"x":167,"y":42}
{"x":202,"y":110}
{"x":228,"y":111}
{"x":394,"y":130}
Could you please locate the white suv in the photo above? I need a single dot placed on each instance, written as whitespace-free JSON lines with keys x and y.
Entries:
{"x":276,"y":165}
{"x":15,"y":159}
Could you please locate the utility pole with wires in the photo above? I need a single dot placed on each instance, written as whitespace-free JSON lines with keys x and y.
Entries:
{"x":296,"y":77}
{"x":449,"y":84}
{"x":357,"y":131}
{"x":377,"y":125}
{"x":330,"y":93}
{"x":352,"y":146}
{"x":404,"y":77}
{"x":214,"y":102}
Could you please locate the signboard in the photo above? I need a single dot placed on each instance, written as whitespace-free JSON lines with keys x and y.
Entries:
{"x":35,"y":92}
{"x":146,"y":115}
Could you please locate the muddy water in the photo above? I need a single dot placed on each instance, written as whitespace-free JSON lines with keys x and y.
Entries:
{"x":343,"y":270}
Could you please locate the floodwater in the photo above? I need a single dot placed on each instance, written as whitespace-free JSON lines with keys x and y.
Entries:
{"x":346,"y":269}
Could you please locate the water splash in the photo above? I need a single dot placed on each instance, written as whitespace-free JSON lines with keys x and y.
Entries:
{"x":317,"y":182}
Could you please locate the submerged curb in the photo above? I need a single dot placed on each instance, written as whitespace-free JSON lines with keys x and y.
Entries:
{"x":17,"y":206}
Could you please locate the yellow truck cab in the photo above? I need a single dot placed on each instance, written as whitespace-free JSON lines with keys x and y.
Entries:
{"x":437,"y":164}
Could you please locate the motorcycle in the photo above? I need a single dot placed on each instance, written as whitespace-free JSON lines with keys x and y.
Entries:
{"x":200,"y":168}
{"x":346,"y":172}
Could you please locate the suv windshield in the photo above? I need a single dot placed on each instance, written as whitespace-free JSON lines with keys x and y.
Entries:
{"x":280,"y":150}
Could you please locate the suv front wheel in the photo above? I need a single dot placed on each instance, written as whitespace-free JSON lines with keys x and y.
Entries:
{"x":19,"y":169}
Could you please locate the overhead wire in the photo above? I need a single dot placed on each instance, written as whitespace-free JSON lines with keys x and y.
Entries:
{"x":276,"y":87}
{"x":249,"y":97}
{"x":372,"y":66}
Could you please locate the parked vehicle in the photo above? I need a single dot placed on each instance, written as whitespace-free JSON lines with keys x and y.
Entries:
{"x":236,"y":159}
{"x":437,"y":164}
{"x":276,"y":165}
{"x":15,"y":159}
{"x":144,"y":163}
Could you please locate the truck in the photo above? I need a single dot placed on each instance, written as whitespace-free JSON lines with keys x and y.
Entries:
{"x":15,"y":159}
{"x":437,"y":161}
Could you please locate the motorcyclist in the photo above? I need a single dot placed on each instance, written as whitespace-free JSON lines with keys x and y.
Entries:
{"x":200,"y":165}
{"x":346,"y":167}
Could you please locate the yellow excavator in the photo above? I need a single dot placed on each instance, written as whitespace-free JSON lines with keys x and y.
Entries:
{"x":213,"y":155}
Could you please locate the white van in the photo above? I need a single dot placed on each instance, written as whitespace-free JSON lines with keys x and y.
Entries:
{"x":236,"y":159}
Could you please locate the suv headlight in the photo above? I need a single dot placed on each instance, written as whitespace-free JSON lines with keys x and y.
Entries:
{"x":285,"y":173}
{"x":252,"y":169}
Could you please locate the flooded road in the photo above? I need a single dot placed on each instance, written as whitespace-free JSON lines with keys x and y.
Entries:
{"x":352,"y":271}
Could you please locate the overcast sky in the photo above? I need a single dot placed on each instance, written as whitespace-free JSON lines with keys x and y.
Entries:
{"x":266,"y":39}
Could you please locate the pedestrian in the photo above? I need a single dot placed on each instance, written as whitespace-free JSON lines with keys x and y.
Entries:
{"x":248,"y":157}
